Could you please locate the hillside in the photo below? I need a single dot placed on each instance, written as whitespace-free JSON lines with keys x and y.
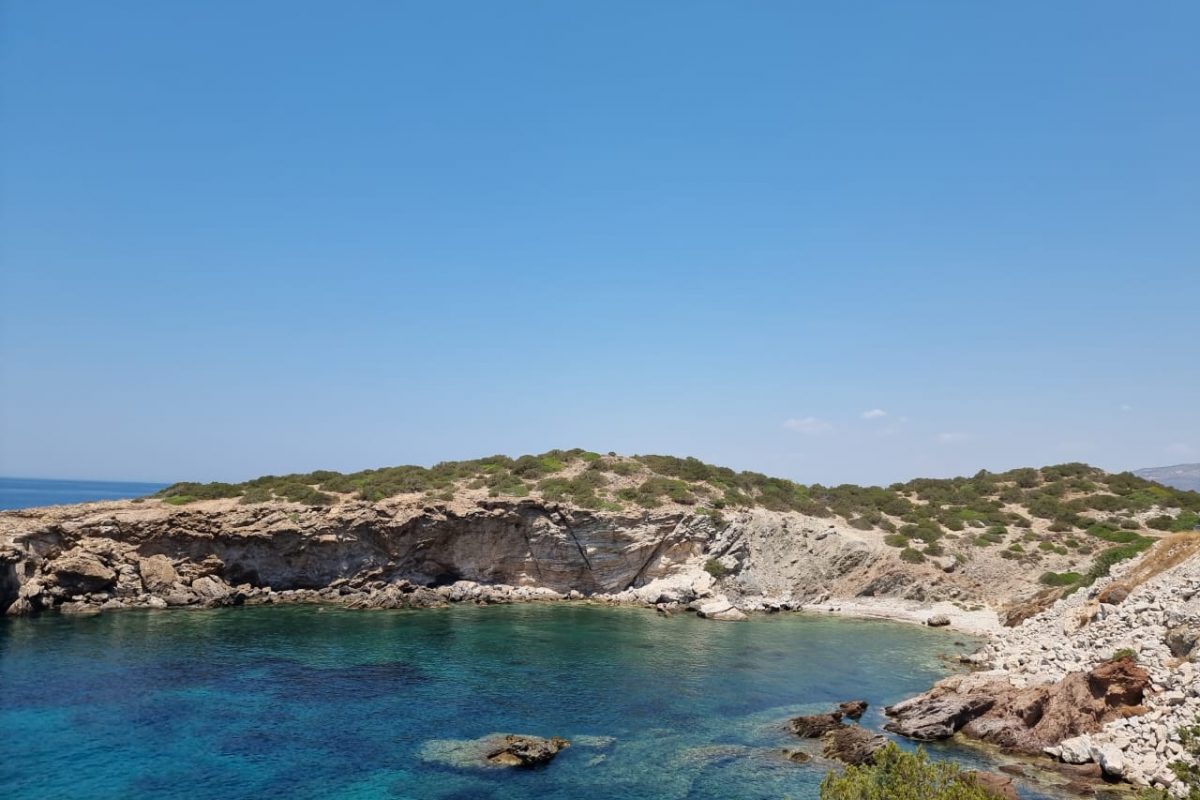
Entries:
{"x":630,"y":529}
{"x":1071,"y":521}
{"x":1180,"y":476}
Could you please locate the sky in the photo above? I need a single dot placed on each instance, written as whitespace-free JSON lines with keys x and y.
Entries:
{"x":836,"y":242}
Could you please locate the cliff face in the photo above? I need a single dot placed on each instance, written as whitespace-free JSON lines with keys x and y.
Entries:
{"x":131,"y":553}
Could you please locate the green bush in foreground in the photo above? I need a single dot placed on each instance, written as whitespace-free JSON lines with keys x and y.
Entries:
{"x":897,"y":775}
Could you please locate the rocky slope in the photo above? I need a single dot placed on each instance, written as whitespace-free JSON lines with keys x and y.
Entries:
{"x":1105,"y":676}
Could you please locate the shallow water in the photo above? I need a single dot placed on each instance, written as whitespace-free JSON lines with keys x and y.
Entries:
{"x":314,"y":702}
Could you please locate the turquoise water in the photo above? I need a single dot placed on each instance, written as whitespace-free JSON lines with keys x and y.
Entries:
{"x":33,"y":492}
{"x":313,"y":702}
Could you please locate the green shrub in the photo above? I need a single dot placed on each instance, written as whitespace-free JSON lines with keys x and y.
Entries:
{"x":300,"y":493}
{"x":898,"y":775}
{"x":1059,"y":578}
{"x":911,"y":556}
{"x":1123,"y":653}
{"x":1114,"y":555}
{"x":716,"y":568}
{"x":256,"y":494}
{"x":896,"y":540}
{"x":1108,"y":534}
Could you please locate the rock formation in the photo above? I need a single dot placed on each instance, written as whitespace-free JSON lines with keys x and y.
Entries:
{"x":526,"y":751}
{"x":380,"y":555}
{"x":1104,"y":676}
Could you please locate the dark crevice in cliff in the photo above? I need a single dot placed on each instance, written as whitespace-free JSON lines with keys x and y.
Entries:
{"x":571,"y":532}
{"x":9,"y":585}
{"x":654,"y":552}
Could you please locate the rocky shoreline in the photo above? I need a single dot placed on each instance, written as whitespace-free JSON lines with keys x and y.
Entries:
{"x":1104,"y":677}
{"x":1050,"y":687}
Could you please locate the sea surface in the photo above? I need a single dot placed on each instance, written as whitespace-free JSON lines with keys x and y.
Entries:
{"x":309,"y":702}
{"x":33,"y":492}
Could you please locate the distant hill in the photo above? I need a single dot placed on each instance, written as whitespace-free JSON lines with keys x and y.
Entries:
{"x":1180,"y":476}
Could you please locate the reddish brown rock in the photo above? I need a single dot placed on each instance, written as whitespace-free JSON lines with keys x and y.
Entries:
{"x":1023,"y":720}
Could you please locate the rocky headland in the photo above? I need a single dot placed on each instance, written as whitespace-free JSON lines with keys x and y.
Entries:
{"x":1094,"y":575}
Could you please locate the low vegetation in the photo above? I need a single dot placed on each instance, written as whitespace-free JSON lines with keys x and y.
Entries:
{"x":900,"y":775}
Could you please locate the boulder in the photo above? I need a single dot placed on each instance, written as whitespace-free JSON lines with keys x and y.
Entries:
{"x":526,"y":751}
{"x":816,"y":725}
{"x":851,"y":744}
{"x":797,"y":756}
{"x":853,"y":709}
{"x":81,"y":571}
{"x":938,"y":621}
{"x":1182,"y":639}
{"x":720,"y":609}
{"x":211,"y":590}
{"x":935,"y":715}
{"x":1111,"y":760}
{"x":158,"y":574}
{"x":1024,"y":720}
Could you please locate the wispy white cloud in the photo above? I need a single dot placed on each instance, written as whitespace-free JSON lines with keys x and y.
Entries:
{"x":874,"y":413}
{"x":953,"y":438}
{"x":808,"y":425}
{"x":1125,"y":407}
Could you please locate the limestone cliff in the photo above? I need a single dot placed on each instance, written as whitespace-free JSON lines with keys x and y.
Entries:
{"x":132,"y":553}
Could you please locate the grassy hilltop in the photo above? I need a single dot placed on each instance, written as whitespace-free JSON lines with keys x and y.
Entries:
{"x":1025,"y":515}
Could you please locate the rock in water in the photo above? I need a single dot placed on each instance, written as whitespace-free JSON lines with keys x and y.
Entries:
{"x":933,"y":715}
{"x":853,"y":709}
{"x":526,"y":751}
{"x":851,"y":745}
{"x":816,"y":725}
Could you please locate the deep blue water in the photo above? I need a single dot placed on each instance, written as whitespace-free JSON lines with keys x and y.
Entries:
{"x":33,"y":492}
{"x":312,"y":702}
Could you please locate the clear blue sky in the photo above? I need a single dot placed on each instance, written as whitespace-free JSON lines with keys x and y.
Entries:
{"x":248,"y":237}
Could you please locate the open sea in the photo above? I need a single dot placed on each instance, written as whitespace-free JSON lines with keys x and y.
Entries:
{"x":33,"y":492}
{"x":322,"y":703}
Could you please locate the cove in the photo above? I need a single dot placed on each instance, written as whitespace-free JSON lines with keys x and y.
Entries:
{"x":320,"y":702}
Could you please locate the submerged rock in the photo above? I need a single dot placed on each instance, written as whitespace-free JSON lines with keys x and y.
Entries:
{"x":999,"y":785}
{"x":526,"y":751}
{"x":495,"y":750}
